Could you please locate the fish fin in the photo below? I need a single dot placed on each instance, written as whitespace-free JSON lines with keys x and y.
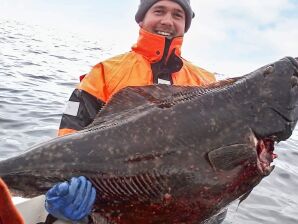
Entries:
{"x":133,"y":96}
{"x":116,"y":189}
{"x":130,"y":99}
{"x":243,"y":197}
{"x":160,"y":95}
{"x":228,"y":157}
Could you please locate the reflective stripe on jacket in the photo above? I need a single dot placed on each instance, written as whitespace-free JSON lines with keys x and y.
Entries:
{"x":153,"y":59}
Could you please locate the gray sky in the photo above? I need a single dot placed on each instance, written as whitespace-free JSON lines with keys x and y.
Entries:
{"x":231,"y":37}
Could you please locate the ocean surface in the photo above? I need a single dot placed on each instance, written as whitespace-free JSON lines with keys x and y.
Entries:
{"x":39,"y":68}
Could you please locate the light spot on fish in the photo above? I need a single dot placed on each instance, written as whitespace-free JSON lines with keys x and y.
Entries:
{"x":213,"y":122}
{"x":59,"y":155}
{"x":167,"y":198}
{"x":111,"y":150}
{"x":215,"y":178}
{"x":167,"y":149}
{"x":192,"y":167}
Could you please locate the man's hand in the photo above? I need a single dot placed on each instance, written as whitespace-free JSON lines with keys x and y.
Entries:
{"x":71,"y":200}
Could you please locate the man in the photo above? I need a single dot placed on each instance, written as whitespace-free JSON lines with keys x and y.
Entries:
{"x":155,"y":58}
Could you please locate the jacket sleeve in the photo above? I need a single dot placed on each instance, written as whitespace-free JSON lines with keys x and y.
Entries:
{"x":84,"y":103}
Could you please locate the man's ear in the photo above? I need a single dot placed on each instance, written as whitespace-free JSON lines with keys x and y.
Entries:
{"x":141,"y":24}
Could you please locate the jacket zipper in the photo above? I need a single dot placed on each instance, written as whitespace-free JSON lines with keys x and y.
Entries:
{"x":166,"y":51}
{"x":161,"y":65}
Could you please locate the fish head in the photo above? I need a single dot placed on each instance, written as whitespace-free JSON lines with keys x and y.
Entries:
{"x":270,"y":108}
{"x":273,"y":111}
{"x":268,"y":113}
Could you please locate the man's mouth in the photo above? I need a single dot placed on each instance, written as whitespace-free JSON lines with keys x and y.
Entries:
{"x":164,"y":33}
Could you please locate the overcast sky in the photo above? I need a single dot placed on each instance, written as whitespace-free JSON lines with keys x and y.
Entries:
{"x":231,"y":37}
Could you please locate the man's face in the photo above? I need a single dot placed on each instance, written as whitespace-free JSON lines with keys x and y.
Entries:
{"x":165,"y":18}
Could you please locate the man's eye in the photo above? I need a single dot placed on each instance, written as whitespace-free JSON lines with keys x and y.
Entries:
{"x":158,"y":12}
{"x":178,"y":15}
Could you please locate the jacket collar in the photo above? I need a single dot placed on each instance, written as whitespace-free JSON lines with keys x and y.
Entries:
{"x":153,"y":46}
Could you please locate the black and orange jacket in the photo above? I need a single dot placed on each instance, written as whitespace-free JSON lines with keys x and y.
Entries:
{"x":153,"y":59}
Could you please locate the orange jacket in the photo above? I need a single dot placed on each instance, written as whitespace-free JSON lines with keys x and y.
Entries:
{"x":153,"y":59}
{"x":8,"y":212}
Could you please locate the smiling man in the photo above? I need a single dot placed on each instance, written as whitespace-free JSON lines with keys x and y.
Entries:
{"x":166,"y":18}
{"x":155,"y":58}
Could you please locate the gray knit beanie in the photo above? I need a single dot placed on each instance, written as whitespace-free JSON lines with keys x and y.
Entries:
{"x":146,"y":4}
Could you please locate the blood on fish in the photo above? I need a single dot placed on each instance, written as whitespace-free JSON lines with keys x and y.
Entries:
{"x":265,"y":148}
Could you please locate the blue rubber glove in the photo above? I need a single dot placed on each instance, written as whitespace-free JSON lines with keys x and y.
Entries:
{"x":71,"y":200}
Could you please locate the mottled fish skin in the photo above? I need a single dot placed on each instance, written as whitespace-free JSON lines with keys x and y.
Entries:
{"x":169,"y":154}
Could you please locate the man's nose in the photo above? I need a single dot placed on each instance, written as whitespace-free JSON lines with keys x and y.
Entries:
{"x":167,"y":19}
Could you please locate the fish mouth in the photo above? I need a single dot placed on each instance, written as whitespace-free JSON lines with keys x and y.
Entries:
{"x":266,"y":155}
